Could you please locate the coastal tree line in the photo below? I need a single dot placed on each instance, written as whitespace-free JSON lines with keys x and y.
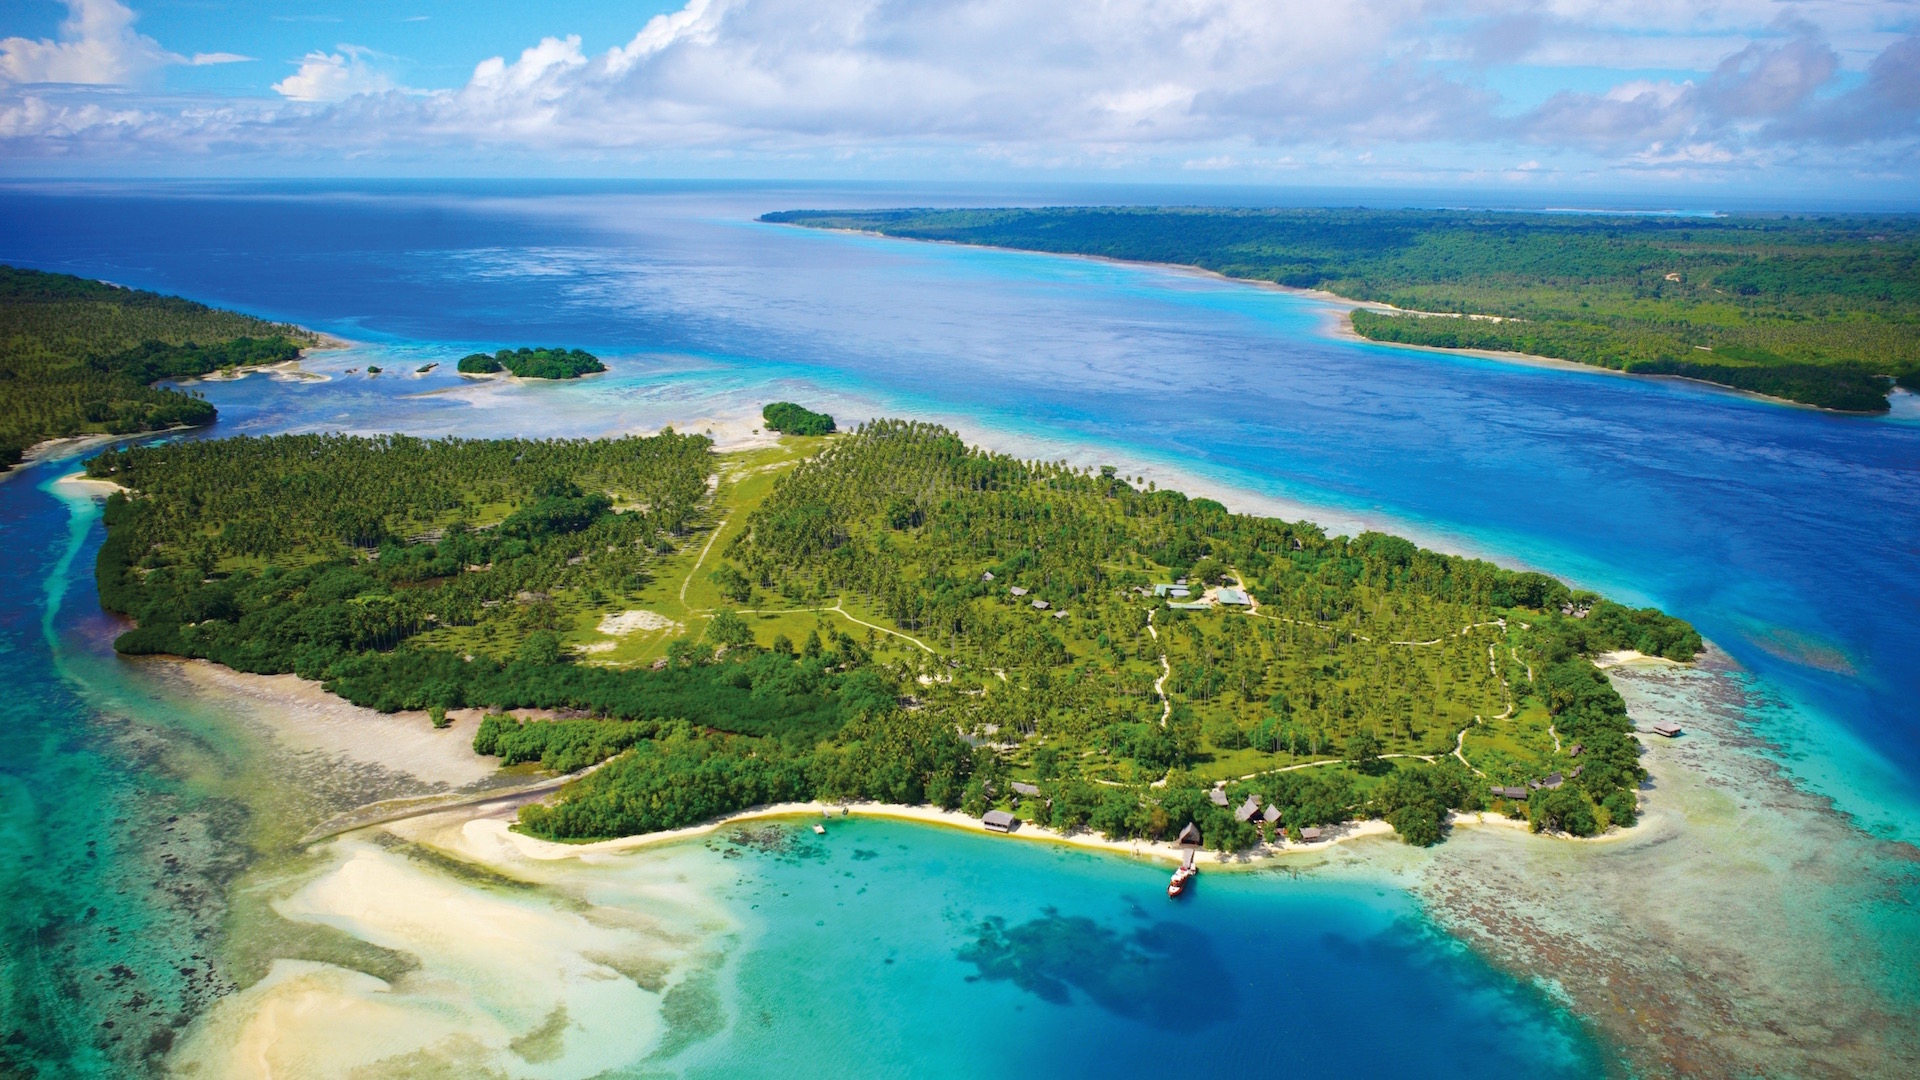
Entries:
{"x":78,"y":357}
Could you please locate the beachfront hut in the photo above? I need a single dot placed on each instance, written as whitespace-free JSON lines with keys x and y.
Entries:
{"x":1310,"y":835}
{"x":1552,"y":781}
{"x":1233,"y":596}
{"x":1021,"y":787}
{"x":1247,"y":809}
{"x":1517,"y":793}
{"x":1271,"y":814}
{"x":1577,"y":747}
{"x":998,"y":821}
{"x":1060,"y":614}
{"x":986,"y":575}
{"x":1219,"y":796}
{"x":1666,"y":727}
{"x":1041,"y":605}
{"x":1018,"y":591}
{"x":1575,"y":774}
{"x":1189,"y":836}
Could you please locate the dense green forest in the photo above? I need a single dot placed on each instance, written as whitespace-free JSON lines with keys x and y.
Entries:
{"x":77,"y":357}
{"x":1358,"y":677}
{"x":790,"y":419}
{"x":533,"y":363}
{"x":1821,"y":310}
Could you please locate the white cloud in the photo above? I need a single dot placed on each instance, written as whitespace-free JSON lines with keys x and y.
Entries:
{"x":1206,"y":85}
{"x":332,"y":77}
{"x":205,"y":58}
{"x":97,"y":45}
{"x":1658,"y":94}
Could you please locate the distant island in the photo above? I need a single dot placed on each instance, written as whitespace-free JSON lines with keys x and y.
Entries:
{"x":893,"y":616}
{"x":533,"y":363}
{"x":1822,"y":310}
{"x":79,"y":357}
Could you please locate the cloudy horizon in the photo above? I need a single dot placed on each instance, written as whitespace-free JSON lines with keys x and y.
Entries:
{"x":1820,"y":98}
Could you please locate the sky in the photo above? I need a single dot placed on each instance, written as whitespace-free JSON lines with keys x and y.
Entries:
{"x":1815,"y":98}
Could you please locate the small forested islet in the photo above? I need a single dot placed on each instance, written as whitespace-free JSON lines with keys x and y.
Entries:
{"x":1136,"y":656}
{"x":526,"y":363}
{"x":791,"y":419}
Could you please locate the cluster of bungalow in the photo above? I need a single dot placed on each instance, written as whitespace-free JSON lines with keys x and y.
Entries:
{"x":1000,"y":820}
{"x":1019,"y":591}
{"x":1179,"y":595}
{"x":1250,"y":809}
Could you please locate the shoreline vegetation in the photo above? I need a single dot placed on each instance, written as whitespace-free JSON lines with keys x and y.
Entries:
{"x":1821,"y":312}
{"x":81,"y":358}
{"x":883,"y":616}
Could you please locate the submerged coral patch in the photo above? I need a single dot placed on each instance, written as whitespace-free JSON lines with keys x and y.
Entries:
{"x":1153,"y":974}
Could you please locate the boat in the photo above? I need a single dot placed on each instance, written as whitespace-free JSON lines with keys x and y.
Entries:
{"x":819,"y":828}
{"x":1181,"y":878}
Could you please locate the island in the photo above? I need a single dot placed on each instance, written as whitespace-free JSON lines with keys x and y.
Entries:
{"x":885,"y":614}
{"x":791,"y":419}
{"x":1821,"y":310}
{"x":80,"y":357}
{"x":528,"y":363}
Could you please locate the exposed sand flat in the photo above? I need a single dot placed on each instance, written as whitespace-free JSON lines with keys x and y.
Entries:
{"x":302,"y":716}
{"x":550,"y":972}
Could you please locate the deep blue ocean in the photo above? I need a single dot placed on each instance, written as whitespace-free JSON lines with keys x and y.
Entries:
{"x":1790,"y":537}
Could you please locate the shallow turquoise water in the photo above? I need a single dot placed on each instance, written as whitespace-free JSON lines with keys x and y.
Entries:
{"x":891,"y":949}
{"x":114,"y":850}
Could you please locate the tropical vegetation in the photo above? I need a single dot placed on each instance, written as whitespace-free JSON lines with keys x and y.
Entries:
{"x":554,"y":363}
{"x":790,"y":419}
{"x":1137,"y":658}
{"x":77,"y":357}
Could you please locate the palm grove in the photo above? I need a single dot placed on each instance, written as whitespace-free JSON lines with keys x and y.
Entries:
{"x":1368,"y":678}
{"x":78,"y":357}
